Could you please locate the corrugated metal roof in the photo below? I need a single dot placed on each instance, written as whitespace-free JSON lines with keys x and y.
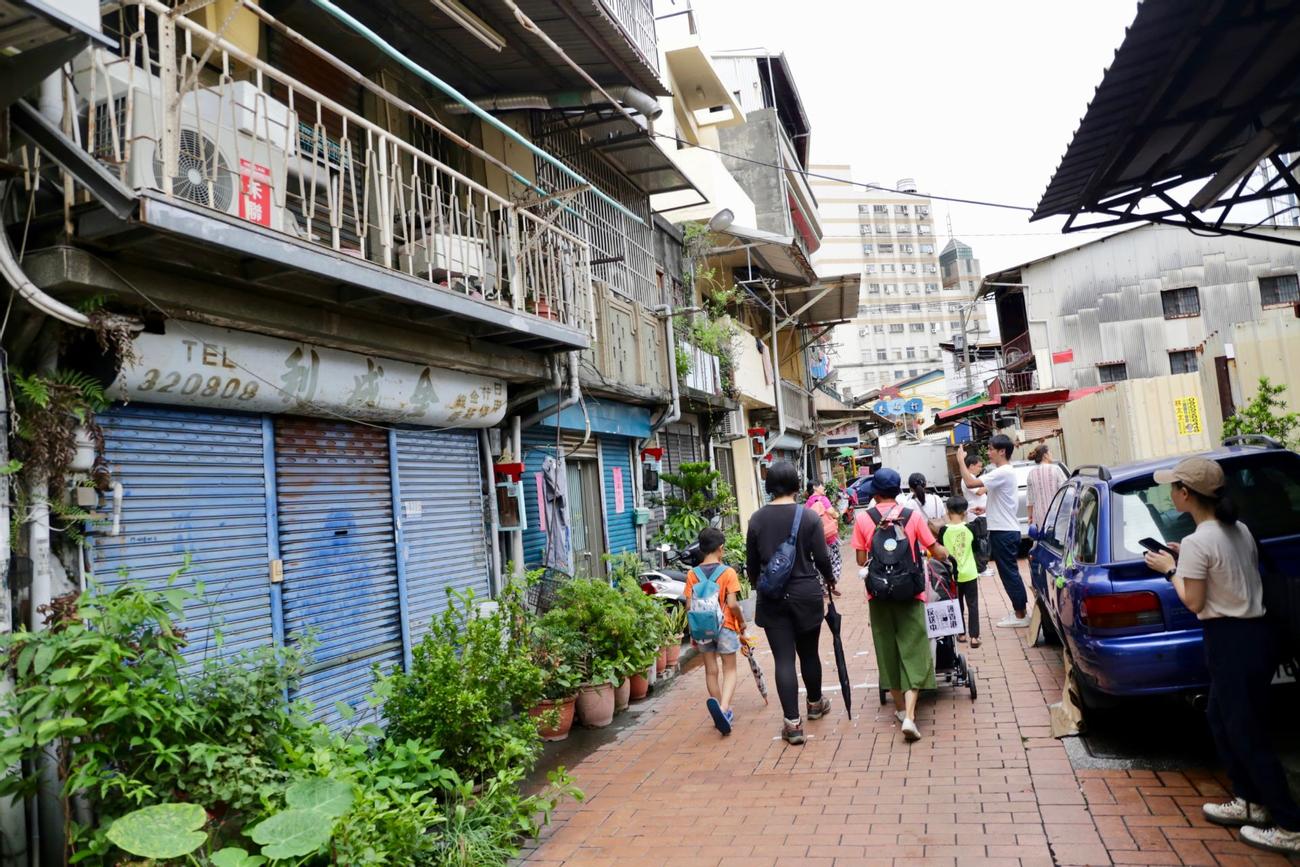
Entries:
{"x":1192,"y":81}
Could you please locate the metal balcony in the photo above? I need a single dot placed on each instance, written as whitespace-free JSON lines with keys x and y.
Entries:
{"x":230,"y":152}
{"x":1017,"y":352}
{"x":637,"y":18}
{"x":1022,"y":380}
{"x":797,"y":404}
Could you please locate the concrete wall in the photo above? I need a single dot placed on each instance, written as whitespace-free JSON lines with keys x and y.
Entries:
{"x":1135,"y":420}
{"x":757,"y":140}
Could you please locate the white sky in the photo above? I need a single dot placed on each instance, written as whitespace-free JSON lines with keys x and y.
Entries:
{"x":976,"y":100}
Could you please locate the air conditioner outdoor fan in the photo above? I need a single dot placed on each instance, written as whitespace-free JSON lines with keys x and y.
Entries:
{"x":198,"y":161}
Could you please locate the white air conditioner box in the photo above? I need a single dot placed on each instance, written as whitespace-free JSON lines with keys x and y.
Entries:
{"x":457,"y":255}
{"x":232,"y":140}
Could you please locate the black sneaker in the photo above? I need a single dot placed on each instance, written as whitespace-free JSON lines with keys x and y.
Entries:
{"x":819,"y":709}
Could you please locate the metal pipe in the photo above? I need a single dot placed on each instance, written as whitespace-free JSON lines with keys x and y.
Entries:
{"x":494,"y":517}
{"x":519,"y":401}
{"x":575,"y":395}
{"x":643,"y":102}
{"x":674,"y":411}
{"x":13,"y":824}
{"x":776,"y":375}
{"x":517,"y":536}
{"x":16,"y":277}
{"x":419,"y":71}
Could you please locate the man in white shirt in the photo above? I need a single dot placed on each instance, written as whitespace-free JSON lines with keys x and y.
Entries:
{"x":1001,"y":486}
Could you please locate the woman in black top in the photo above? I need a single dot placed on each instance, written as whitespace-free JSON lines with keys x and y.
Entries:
{"x":793,"y":624}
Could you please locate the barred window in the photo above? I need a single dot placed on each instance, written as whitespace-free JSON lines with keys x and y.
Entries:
{"x":1181,"y":303}
{"x":1113,"y":372}
{"x":1277,"y":291}
{"x":1183,"y":361}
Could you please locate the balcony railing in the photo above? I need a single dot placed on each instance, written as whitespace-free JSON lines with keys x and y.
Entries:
{"x":1017,"y":351}
{"x":1022,"y":380}
{"x":797,"y":404}
{"x":637,"y":17}
{"x":705,"y":374}
{"x":206,"y":124}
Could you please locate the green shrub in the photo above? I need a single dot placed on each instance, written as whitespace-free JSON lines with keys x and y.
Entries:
{"x":470,"y":677}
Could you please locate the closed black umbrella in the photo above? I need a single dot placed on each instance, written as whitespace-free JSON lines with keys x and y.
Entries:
{"x":833,"y":620}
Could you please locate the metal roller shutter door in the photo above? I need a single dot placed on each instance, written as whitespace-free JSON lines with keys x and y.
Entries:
{"x":193,"y":484}
{"x":334,"y":496}
{"x":620,"y":529}
{"x":444,"y":541}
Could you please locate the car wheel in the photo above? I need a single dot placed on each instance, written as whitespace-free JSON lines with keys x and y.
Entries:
{"x":1049,"y":633}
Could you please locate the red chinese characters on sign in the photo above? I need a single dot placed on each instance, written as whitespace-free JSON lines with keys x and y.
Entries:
{"x":254,"y":193}
{"x":1063,"y":357}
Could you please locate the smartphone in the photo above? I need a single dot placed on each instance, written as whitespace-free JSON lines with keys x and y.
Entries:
{"x":1152,"y":545}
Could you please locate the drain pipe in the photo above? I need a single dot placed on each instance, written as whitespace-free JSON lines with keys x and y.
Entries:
{"x":519,"y":401}
{"x":674,"y":410}
{"x":780,"y":401}
{"x":575,"y":395}
{"x":494,"y":518}
{"x":16,"y":277}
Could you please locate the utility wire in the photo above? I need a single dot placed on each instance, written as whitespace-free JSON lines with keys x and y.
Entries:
{"x":862,"y":184}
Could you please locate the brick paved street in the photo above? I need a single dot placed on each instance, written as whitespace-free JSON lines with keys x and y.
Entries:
{"x":987,"y":784}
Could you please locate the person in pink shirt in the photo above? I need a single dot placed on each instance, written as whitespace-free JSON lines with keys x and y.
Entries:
{"x":1044,"y":481}
{"x":897,"y":624}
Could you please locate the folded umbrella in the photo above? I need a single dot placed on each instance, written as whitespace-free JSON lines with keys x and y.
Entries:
{"x":833,"y":620}
{"x":748,"y":649}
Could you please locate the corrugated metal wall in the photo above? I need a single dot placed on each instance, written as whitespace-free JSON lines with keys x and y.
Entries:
{"x":192,"y":484}
{"x":444,"y":542}
{"x":620,"y":531}
{"x":1269,"y":349}
{"x":334,"y":498}
{"x":1132,"y":421}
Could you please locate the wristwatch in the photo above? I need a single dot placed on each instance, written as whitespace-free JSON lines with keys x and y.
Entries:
{"x":1169,"y":576}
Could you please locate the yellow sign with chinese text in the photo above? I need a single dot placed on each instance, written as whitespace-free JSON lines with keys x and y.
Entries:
{"x":1187,"y":413}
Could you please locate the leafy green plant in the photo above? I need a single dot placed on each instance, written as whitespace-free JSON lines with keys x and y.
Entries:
{"x":602,"y":622}
{"x":470,"y":676}
{"x":1266,"y":414}
{"x":697,"y":495}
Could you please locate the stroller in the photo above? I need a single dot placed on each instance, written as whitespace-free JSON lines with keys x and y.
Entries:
{"x":951,"y":668}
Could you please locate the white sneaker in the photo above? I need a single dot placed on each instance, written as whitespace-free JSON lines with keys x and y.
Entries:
{"x":1011,"y":621}
{"x":910,"y":731}
{"x":1276,"y":839}
{"x":1236,"y":812}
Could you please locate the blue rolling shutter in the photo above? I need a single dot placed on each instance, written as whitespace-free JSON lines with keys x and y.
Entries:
{"x":620,"y":531}
{"x":193,"y":483}
{"x":444,"y":541}
{"x":337,"y":544}
{"x":537,"y":445}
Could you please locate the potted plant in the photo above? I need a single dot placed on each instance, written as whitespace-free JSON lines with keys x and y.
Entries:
{"x":676,"y":633}
{"x":603,"y":623}
{"x":557,"y":655}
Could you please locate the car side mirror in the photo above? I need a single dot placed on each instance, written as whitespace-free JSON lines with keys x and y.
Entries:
{"x":1034,"y":532}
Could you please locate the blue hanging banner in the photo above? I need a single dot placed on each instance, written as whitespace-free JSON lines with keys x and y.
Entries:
{"x":914,"y":406}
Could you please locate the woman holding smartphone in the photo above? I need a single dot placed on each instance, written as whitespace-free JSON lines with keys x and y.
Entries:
{"x":1216,"y":574}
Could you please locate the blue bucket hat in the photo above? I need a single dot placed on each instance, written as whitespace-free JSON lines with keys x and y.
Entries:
{"x":884,"y":483}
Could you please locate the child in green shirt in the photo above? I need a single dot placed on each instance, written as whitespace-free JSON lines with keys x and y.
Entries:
{"x":958,"y":539}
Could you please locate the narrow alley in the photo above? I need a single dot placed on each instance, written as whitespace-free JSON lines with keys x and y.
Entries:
{"x":987,"y":784}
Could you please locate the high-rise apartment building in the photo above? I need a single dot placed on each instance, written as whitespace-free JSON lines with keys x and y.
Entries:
{"x":905,"y":308}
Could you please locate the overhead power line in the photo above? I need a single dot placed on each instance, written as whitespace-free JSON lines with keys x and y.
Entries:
{"x":862,"y":184}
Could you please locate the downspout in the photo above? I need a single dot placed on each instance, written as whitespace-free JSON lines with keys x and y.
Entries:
{"x":16,"y":277}
{"x":494,"y":518}
{"x":640,"y":101}
{"x":575,"y":395}
{"x":776,"y":375}
{"x":531,"y":395}
{"x":487,"y":118}
{"x":674,"y":411}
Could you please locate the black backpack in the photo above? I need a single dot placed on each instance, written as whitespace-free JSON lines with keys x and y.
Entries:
{"x":894,"y":571}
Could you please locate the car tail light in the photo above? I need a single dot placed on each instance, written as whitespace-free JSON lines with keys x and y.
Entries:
{"x":1122,"y":610}
{"x":649,"y":588}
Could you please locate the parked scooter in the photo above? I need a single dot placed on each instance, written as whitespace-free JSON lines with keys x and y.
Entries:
{"x":668,"y":583}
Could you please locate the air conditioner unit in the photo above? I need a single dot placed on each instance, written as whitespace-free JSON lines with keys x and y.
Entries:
{"x":729,"y":427}
{"x":232,"y":140}
{"x":460,"y":255}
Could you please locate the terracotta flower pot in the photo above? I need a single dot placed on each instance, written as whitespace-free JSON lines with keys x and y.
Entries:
{"x":561,"y":729}
{"x":639,"y":687}
{"x":622,"y":695}
{"x":662,"y":662}
{"x":674,"y":653}
{"x":596,"y":705}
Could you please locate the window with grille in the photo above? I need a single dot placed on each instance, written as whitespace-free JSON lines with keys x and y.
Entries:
{"x":886,"y":248}
{"x":918,"y":326}
{"x":901,"y":210}
{"x":869,"y":249}
{"x":1276,"y":291}
{"x":873,"y":288}
{"x":1113,"y":372}
{"x":877,"y":329}
{"x":880,"y":209}
{"x":1183,"y":361}
{"x":889,"y":269}
{"x":1181,"y":303}
{"x":882,"y":229}
{"x":911,"y":352}
{"x":881,"y":355}
{"x":896,"y":328}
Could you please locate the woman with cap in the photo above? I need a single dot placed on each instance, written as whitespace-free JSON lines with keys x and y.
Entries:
{"x":793,"y":623}
{"x":1216,"y":574}
{"x":898,"y":626}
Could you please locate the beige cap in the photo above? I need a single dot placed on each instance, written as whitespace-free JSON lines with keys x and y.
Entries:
{"x":1201,"y":475}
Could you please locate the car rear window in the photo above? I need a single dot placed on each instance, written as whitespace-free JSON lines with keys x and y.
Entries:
{"x":1264,"y":485}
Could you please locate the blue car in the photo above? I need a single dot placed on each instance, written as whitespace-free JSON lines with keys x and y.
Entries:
{"x":1125,"y":629}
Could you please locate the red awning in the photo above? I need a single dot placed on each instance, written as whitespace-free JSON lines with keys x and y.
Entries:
{"x":961,"y":411}
{"x":1084,"y":392}
{"x":1036,"y":398}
